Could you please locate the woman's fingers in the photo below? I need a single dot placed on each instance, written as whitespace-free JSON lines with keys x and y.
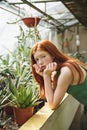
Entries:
{"x":52,"y":66}
{"x":37,"y":69}
{"x":34,"y":65}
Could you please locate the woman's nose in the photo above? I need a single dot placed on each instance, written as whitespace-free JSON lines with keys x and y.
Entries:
{"x":41,"y":62}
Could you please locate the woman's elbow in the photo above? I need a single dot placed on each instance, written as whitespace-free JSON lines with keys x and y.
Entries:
{"x":53,"y":107}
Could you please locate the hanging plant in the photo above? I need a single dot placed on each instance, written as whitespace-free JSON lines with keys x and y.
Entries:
{"x":31,"y":21}
{"x":66,"y":43}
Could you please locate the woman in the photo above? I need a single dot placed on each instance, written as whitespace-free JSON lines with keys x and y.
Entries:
{"x":57,"y":74}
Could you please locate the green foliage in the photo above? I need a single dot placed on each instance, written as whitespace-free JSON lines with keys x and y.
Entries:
{"x":31,"y":33}
{"x":4,"y":95}
{"x":24,"y":97}
{"x":80,"y":56}
{"x":6,"y":71}
{"x":16,"y":78}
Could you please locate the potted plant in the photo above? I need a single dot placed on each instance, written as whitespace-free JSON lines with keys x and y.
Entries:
{"x":4,"y":94}
{"x":31,"y":21}
{"x":6,"y":70}
{"x":21,"y":86}
{"x":23,"y":99}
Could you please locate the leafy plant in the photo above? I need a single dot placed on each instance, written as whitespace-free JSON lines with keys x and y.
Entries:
{"x":80,"y":56}
{"x":4,"y":95}
{"x":5,"y":72}
{"x":20,"y":87}
{"x":24,"y":97}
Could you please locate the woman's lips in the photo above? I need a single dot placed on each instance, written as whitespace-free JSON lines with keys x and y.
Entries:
{"x":42,"y":69}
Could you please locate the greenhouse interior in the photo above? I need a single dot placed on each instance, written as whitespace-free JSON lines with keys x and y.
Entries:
{"x":23,"y":23}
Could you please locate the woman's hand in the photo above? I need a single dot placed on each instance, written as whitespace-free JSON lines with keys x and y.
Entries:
{"x":38,"y":69}
{"x":45,"y":70}
{"x":51,"y":67}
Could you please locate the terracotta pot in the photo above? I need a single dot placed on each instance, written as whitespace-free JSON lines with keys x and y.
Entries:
{"x":66,"y":44}
{"x":21,"y":115}
{"x":31,"y":21}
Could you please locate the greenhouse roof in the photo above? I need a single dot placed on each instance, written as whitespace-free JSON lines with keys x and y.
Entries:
{"x":53,"y":13}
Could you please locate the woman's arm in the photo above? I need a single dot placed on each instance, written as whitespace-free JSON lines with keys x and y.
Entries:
{"x":55,"y":97}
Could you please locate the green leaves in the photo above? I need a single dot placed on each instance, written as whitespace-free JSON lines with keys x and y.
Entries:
{"x":15,"y":73}
{"x":24,"y":96}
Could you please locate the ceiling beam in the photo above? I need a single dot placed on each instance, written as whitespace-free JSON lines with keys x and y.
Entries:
{"x":78,"y":9}
{"x":61,"y":27}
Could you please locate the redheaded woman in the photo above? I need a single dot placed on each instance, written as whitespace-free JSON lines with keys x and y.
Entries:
{"x":57,"y":74}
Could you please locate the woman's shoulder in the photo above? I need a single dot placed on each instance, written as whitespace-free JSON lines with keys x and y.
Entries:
{"x":66,"y":75}
{"x":65,"y":70}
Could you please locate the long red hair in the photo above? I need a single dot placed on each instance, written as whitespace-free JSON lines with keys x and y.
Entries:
{"x":60,"y":58}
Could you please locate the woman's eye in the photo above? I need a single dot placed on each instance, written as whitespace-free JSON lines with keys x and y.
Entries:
{"x":43,"y":56}
{"x":36,"y":60}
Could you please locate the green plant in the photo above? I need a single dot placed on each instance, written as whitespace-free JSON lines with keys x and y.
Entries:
{"x":17,"y":85}
{"x":5,"y":72}
{"x":16,"y":71}
{"x":17,"y":80}
{"x":80,"y":55}
{"x":4,"y":95}
{"x":23,"y":88}
{"x":24,"y":97}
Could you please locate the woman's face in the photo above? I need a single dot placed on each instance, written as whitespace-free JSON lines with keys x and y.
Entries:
{"x":42,"y":58}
